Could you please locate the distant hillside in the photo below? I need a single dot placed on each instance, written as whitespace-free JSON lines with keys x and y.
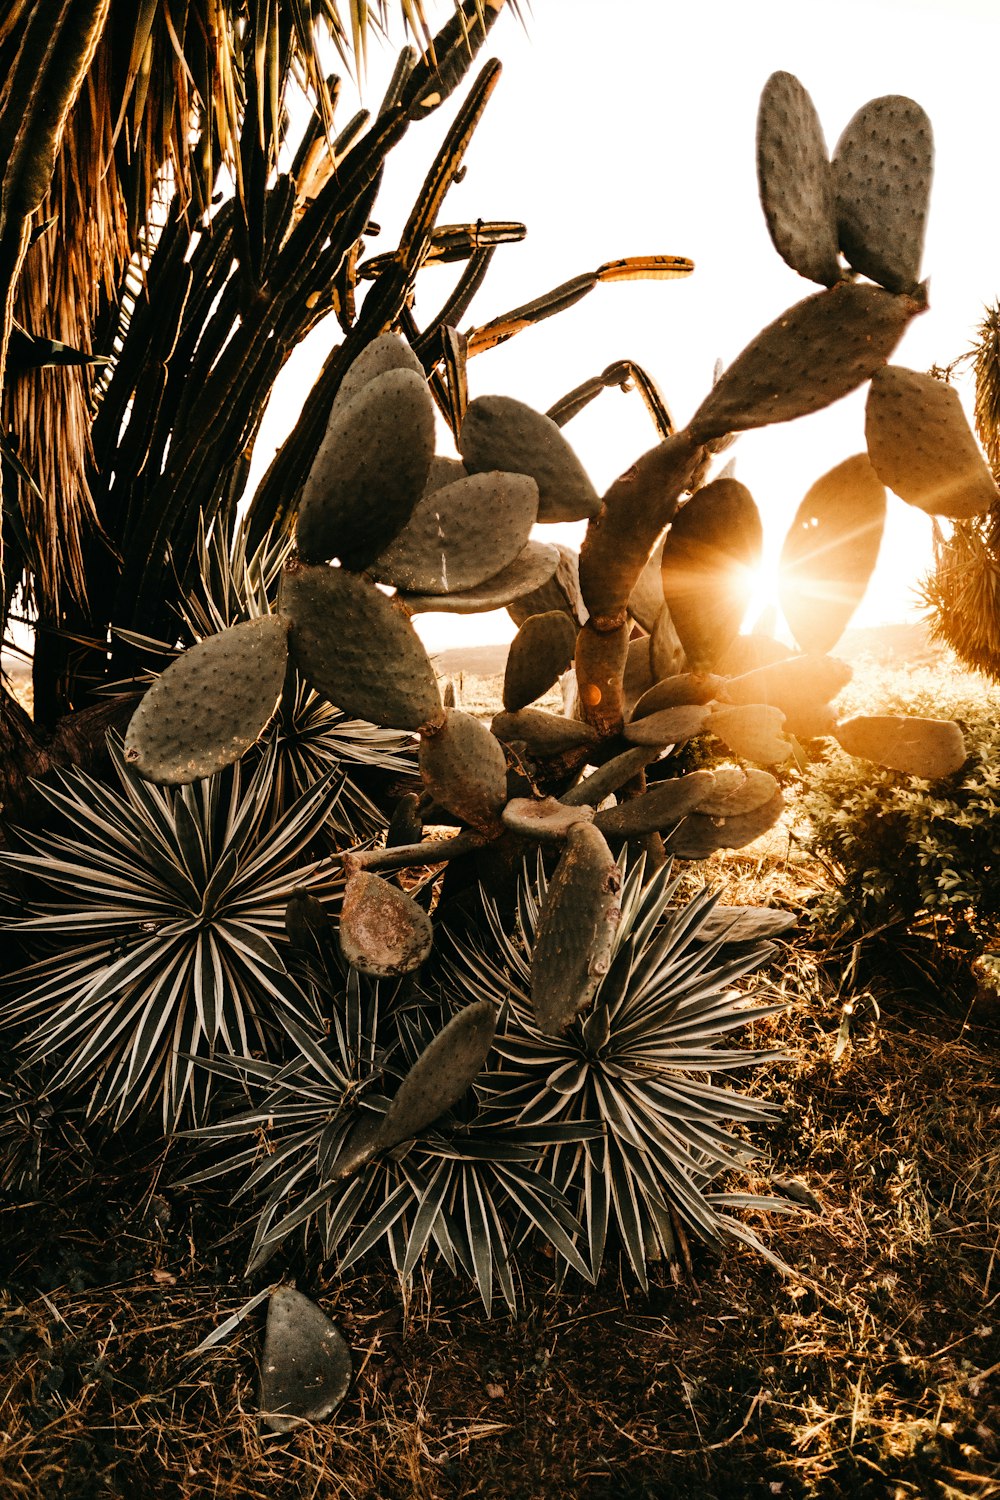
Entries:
{"x":888,"y":644}
{"x":479,"y":661}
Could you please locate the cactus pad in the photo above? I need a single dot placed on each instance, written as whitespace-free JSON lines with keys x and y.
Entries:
{"x":355,"y":647}
{"x":830,"y":552}
{"x":801,"y":687}
{"x":211,"y":704}
{"x":385,"y":353}
{"x":382,"y":930}
{"x":700,"y":835}
{"x":816,"y":352}
{"x":709,"y":554}
{"x":685,"y":687}
{"x":576,"y":930}
{"x":306,"y":1366}
{"x":796,"y":181}
{"x":660,"y":807}
{"x":444,"y":471}
{"x":922,"y":446}
{"x":745,"y":924}
{"x":465,"y":771}
{"x":918,"y":747}
{"x":666,"y":654}
{"x":539,"y":654}
{"x":646,"y":599}
{"x":751,"y":730}
{"x":882,"y":171}
{"x":406,"y":825}
{"x":370,"y":471}
{"x":544,"y":818}
{"x":737,"y":791}
{"x":461,"y":534}
{"x":593,"y":789}
{"x":533,"y":566}
{"x":501,"y":433}
{"x":671,"y":726}
{"x":443,"y":1072}
{"x":543,"y":734}
{"x":638,"y":676}
{"x":561,"y":591}
{"x":308,"y":927}
{"x":600,"y":667}
{"x":634,"y":511}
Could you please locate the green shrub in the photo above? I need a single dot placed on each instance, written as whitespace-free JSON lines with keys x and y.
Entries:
{"x":903,"y":848}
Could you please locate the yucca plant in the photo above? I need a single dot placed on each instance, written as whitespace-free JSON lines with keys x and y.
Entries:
{"x":616,"y":1127}
{"x":636,"y":1073}
{"x":464,"y":1190}
{"x":158,"y":920}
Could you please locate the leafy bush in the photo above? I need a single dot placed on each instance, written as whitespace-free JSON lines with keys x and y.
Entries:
{"x":906,"y":848}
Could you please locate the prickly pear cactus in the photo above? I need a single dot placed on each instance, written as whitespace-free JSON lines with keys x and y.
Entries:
{"x":211,"y":704}
{"x":646,"y":616}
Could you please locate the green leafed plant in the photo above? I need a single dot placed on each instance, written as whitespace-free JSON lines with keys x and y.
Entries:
{"x":906,"y":850}
{"x":157,"y":919}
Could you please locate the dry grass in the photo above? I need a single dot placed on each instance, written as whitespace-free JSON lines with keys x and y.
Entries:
{"x":870,"y":1371}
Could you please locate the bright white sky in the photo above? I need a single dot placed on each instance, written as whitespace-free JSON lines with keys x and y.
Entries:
{"x":628,"y":128}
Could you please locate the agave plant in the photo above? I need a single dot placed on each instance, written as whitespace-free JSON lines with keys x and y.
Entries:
{"x":32,"y":1130}
{"x":615,"y":1127}
{"x":158,"y":919}
{"x":462,"y":1190}
{"x":638,"y":1068}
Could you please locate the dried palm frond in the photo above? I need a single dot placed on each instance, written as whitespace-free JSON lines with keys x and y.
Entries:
{"x":962,"y":594}
{"x":985,"y":356}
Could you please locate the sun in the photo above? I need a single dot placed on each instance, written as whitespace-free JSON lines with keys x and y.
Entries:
{"x":761,"y":584}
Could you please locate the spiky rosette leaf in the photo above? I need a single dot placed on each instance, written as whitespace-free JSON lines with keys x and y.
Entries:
{"x":159,"y":926}
{"x":463,"y":1190}
{"x":639,"y":1066}
{"x":312,"y":738}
